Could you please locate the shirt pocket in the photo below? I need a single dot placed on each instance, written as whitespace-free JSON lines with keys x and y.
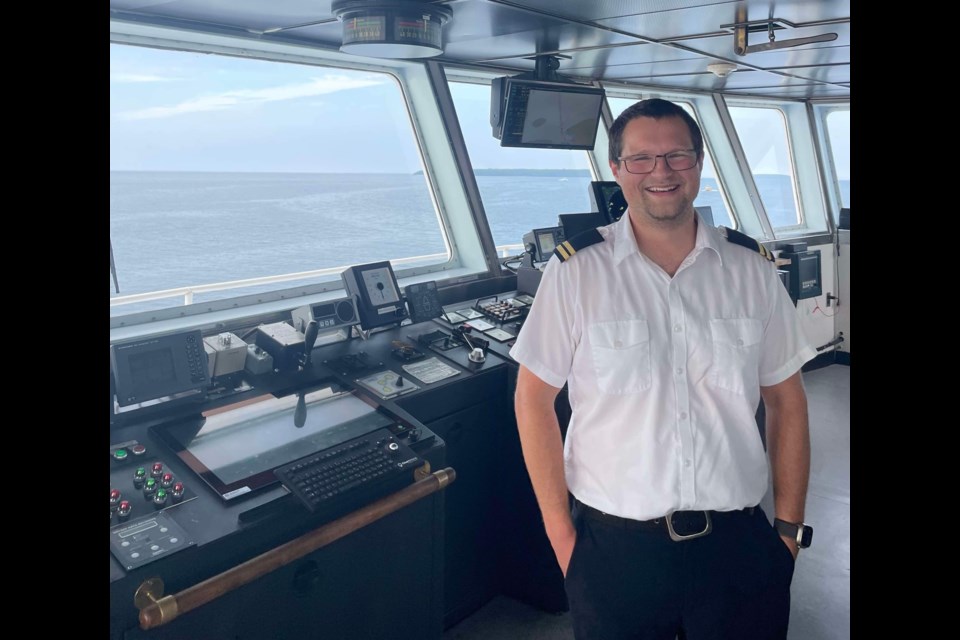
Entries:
{"x":621,"y":356}
{"x":736,"y":354}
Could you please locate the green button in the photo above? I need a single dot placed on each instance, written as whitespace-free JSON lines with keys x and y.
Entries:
{"x":120,"y":454}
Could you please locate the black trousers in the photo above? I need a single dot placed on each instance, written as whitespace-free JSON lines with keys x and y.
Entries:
{"x":732,"y":584}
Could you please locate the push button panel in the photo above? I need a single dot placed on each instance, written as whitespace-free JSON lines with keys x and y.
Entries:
{"x":138,"y":491}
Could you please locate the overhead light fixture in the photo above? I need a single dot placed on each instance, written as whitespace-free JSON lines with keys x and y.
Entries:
{"x":391,"y":28}
{"x":721,"y":69}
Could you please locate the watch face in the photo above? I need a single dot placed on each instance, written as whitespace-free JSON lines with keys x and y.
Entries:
{"x":806,"y":537}
{"x":379,"y":286}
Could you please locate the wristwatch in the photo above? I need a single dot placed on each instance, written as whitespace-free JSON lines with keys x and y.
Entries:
{"x":802,"y":533}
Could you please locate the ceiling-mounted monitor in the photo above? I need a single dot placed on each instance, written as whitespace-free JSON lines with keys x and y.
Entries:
{"x":544,"y":115}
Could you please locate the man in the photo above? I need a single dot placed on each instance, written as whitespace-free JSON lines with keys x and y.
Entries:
{"x":667,"y":336}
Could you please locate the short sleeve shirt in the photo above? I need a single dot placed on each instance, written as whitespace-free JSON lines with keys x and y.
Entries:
{"x":663,"y":373}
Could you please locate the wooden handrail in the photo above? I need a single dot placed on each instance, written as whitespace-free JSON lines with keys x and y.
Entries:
{"x":155,"y":612}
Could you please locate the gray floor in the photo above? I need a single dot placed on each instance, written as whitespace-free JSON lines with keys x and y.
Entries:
{"x":820,"y":607}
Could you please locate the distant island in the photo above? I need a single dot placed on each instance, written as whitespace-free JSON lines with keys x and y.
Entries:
{"x":543,"y":173}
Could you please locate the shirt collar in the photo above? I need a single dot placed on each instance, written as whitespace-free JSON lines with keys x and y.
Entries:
{"x":625,"y":243}
{"x":708,"y":238}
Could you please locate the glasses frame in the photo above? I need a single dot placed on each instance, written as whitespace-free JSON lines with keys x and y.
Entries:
{"x":665,"y":160}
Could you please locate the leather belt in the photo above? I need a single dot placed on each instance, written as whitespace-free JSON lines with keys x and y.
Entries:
{"x":679,"y":525}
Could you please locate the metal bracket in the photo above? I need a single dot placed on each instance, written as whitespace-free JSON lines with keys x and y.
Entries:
{"x":742,"y":27}
{"x":150,"y":593}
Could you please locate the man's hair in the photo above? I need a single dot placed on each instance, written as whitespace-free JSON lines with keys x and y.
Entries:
{"x":657,"y":109}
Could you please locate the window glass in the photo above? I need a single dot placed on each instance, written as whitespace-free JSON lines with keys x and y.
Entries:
{"x":763,"y":136}
{"x":838,"y":133}
{"x":226,"y":168}
{"x":711,"y":191}
{"x":521,"y":189}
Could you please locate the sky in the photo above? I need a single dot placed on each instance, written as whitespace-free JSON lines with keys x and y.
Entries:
{"x":180,"y":111}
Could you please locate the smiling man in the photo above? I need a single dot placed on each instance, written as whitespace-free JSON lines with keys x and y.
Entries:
{"x":667,"y":336}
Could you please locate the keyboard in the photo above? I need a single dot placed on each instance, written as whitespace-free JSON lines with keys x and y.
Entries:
{"x":357,"y":472}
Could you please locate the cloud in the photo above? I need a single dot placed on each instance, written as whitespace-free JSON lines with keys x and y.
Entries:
{"x":244,"y":97}
{"x":136,"y":77}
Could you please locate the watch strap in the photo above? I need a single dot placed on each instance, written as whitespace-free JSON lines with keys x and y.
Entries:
{"x":800,"y":532}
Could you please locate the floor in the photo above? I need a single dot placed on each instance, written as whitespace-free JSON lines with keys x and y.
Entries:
{"x":820,"y":606}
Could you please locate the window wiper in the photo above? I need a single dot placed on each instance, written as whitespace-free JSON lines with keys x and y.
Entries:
{"x":113,"y":268}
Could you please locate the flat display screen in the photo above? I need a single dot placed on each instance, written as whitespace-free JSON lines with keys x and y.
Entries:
{"x":236,"y":450}
{"x":550,"y":115}
{"x":153,"y":367}
{"x":547,"y":242}
{"x":158,"y":366}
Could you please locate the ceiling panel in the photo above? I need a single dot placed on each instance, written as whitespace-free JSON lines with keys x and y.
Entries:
{"x":254,"y":15}
{"x":606,"y":9}
{"x":798,"y":93}
{"x":604,"y":39}
{"x":836,"y":74}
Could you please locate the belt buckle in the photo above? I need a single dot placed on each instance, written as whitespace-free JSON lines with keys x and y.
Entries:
{"x":676,"y":537}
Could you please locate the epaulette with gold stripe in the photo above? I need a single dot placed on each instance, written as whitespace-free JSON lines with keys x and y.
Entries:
{"x":744,"y":240}
{"x":582,"y":240}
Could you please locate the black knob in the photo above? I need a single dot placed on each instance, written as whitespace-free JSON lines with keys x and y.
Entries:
{"x":300,"y":413}
{"x":399,"y":381}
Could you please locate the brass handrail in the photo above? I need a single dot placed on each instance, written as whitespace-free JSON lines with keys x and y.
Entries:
{"x":157,"y":609}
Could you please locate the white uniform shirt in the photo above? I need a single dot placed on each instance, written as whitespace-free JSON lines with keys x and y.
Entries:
{"x":663,"y":373}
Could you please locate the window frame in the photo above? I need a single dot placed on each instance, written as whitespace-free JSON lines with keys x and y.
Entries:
{"x":820,"y":111}
{"x":456,"y":74}
{"x":805,"y":163}
{"x":466,"y":259}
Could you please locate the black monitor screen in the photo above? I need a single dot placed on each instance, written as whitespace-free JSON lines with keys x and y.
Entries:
{"x":574,"y":224}
{"x":601,"y":193}
{"x":548,"y":115}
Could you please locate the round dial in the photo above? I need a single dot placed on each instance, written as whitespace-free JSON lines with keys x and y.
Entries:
{"x":379,"y":286}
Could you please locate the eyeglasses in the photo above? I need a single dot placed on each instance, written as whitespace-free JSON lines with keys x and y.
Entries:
{"x":676,"y":160}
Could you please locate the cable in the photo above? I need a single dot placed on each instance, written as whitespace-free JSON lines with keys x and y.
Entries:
{"x":506,"y":264}
{"x":822,"y":312}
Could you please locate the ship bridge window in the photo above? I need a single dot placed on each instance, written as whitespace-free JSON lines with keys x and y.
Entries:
{"x":521,"y":189}
{"x":838,"y":141}
{"x":232,"y":176}
{"x":763,"y":136}
{"x":711,"y":189}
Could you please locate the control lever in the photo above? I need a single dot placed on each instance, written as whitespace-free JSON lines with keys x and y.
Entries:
{"x":475,"y":343}
{"x":309,"y":338}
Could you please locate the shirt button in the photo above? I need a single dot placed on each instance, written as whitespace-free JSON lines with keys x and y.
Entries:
{"x":679,"y":371}
{"x":686,"y":462}
{"x":676,"y":328}
{"x":618,"y":344}
{"x":739,"y":342}
{"x":683,"y":415}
